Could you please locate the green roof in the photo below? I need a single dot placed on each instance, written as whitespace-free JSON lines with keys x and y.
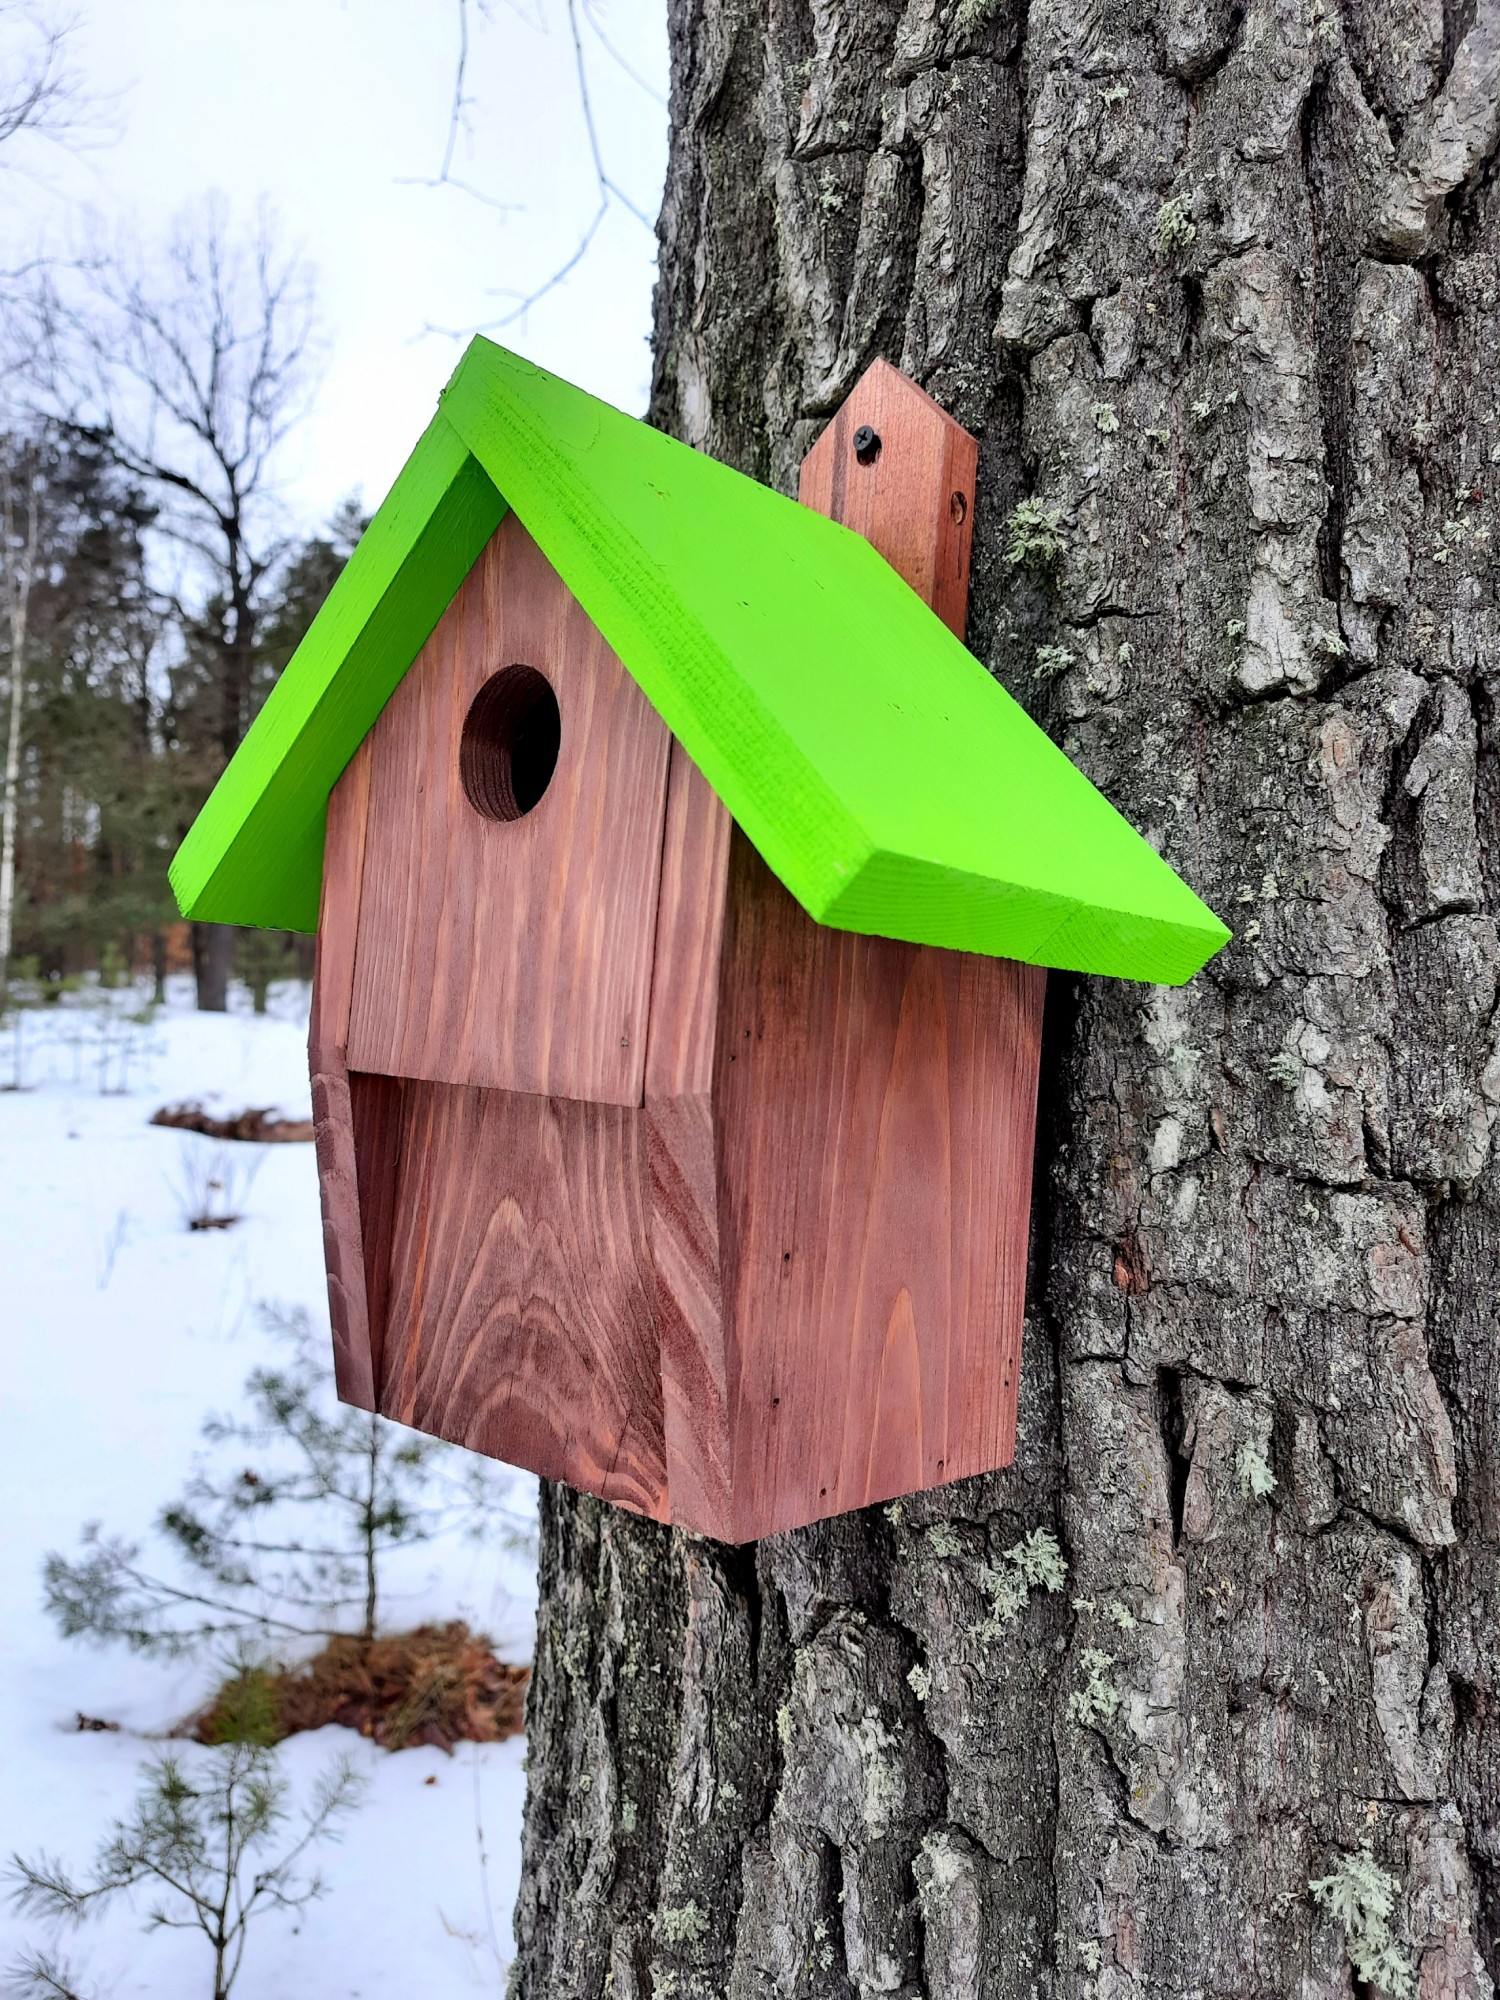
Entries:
{"x":888,"y":780}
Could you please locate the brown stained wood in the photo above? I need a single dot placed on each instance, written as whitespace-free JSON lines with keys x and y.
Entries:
{"x":689,"y":929}
{"x":839,"y":1128}
{"x":333,"y":1126}
{"x":512,"y":954}
{"x":338,"y":911}
{"x":521,"y":1319}
{"x":876,"y":1105}
{"x":376,"y":1108}
{"x":680,"y":1149}
{"x":914,"y":500}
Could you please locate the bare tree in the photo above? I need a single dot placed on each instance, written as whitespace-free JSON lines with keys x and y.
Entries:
{"x":39,"y":98}
{"x":40,"y":94}
{"x":190,"y":363}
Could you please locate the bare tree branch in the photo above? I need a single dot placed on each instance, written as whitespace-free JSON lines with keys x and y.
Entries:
{"x":608,"y":188}
{"x":189,"y":363}
{"x":458,"y":124}
{"x":608,"y":46}
{"x":40,"y":93}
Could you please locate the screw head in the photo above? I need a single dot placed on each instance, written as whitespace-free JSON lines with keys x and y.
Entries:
{"x":866,"y":445}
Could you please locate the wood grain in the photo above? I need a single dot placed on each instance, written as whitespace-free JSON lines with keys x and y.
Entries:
{"x":915,"y":500}
{"x":839,"y":1127}
{"x":376,"y":1106}
{"x":876,"y":1105}
{"x":521,"y":1318}
{"x":514,"y":955}
{"x":333,"y":1118}
{"x":680,"y":1150}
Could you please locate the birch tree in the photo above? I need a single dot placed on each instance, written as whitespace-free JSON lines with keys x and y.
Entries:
{"x":1218,"y":287}
{"x":18,"y":543}
{"x":39,"y":98}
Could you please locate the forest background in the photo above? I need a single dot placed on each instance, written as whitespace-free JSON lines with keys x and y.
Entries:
{"x":226,"y":306}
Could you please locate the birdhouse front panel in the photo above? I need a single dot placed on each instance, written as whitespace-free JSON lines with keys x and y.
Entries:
{"x":507,"y":907}
{"x":511,"y":1294}
{"x":685,"y":893}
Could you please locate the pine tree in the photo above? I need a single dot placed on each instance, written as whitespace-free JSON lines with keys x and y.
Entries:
{"x":282,"y":1532}
{"x":214,"y":1845}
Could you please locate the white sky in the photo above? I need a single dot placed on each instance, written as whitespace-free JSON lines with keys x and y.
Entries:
{"x":324,"y":107}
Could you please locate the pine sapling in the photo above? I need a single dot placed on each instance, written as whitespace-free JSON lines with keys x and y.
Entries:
{"x":215,"y":1848}
{"x":282,"y":1533}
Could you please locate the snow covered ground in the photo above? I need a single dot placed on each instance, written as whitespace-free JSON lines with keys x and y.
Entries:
{"x":121,"y":1329}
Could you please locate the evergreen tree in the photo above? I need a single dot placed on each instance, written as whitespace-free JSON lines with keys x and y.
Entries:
{"x":212,"y":1843}
{"x":284,"y":1528}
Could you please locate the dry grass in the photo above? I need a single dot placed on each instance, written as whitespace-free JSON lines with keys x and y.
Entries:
{"x":438,"y":1685}
{"x":260,"y":1126}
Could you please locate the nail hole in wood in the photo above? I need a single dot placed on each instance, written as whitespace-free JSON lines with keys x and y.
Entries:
{"x":958,"y":507}
{"x":508,"y":750}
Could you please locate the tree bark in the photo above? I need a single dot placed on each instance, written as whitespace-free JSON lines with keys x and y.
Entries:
{"x":213,"y":964}
{"x":1219,"y":284}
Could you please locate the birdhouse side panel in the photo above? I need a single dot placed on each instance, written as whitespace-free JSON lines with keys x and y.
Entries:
{"x":875,"y":1105}
{"x":681,"y":1151}
{"x":508,"y":903}
{"x":333,"y":1113}
{"x":517,"y":1292}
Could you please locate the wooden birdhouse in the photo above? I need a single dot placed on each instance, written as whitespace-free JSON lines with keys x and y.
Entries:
{"x":682,"y":889}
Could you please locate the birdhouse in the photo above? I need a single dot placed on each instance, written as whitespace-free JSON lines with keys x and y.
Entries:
{"x":683,"y":890}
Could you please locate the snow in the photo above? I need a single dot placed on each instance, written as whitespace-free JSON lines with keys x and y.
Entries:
{"x":123,"y":1329}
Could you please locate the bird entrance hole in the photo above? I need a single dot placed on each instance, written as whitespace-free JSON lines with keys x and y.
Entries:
{"x":508,"y":750}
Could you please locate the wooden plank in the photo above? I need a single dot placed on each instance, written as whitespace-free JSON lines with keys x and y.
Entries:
{"x":521,"y":1319}
{"x":254,"y":855}
{"x":680,"y":1150}
{"x":333,"y":1117}
{"x":689,"y":933}
{"x":376,"y":1105}
{"x":876,"y":1105}
{"x":910,"y":493}
{"x":512,"y":954}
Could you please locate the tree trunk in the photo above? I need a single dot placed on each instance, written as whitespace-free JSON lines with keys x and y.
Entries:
{"x":1219,"y":284}
{"x":20,"y":567}
{"x":213,"y":962}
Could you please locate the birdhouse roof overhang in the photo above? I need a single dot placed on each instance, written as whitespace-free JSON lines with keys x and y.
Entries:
{"x":884,"y":775}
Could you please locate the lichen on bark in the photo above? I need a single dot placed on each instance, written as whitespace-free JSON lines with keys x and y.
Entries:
{"x":1259,"y":1399}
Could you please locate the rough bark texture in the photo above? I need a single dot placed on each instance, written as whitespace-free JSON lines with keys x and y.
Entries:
{"x":1218,"y":283}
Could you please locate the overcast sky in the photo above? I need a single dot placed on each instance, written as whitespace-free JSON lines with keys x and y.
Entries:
{"x":329,"y":109}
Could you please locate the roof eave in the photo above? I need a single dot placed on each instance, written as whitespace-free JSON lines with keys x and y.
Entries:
{"x":253,"y":855}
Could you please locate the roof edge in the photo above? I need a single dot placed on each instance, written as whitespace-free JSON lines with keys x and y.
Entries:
{"x":237,"y":863}
{"x":641,"y":622}
{"x":1036,"y":925}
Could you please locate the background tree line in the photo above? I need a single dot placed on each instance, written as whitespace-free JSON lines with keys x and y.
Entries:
{"x":153,"y":586}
